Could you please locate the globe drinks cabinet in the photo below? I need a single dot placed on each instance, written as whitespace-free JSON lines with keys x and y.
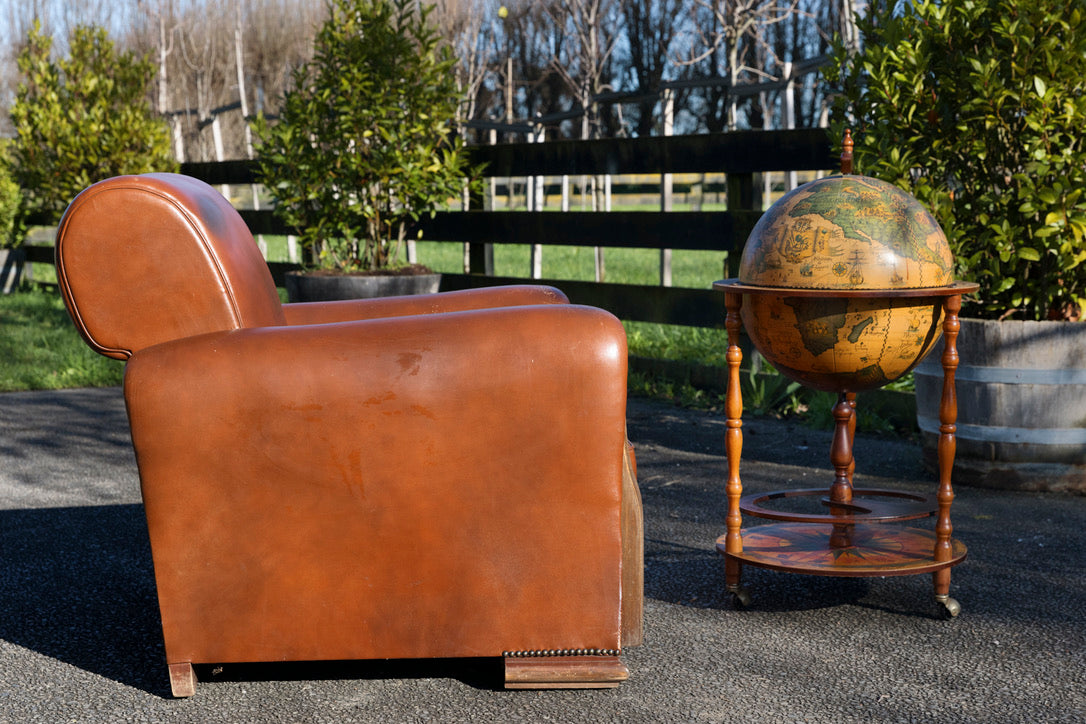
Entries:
{"x":845,"y":284}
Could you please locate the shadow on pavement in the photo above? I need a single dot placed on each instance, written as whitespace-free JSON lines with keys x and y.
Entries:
{"x":77,"y":585}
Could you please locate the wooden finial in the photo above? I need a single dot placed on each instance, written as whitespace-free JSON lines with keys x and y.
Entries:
{"x":846,"y":152}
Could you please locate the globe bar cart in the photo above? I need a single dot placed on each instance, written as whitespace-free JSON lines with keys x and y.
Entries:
{"x":845,"y":284}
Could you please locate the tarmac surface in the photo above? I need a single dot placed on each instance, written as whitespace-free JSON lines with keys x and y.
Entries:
{"x":80,"y":638}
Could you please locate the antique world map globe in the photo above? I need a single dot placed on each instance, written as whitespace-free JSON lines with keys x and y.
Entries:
{"x":840,"y":265}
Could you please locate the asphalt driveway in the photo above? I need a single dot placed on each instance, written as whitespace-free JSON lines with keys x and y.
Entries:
{"x":80,"y":638}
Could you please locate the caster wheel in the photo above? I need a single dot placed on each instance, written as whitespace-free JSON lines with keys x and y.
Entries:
{"x":741,"y":597}
{"x":953,"y":608}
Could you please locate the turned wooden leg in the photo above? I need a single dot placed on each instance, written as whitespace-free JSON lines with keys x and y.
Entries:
{"x":733,"y":446}
{"x":851,"y":397}
{"x":564,"y":672}
{"x":948,"y":417}
{"x":842,"y":460}
{"x":182,"y":680}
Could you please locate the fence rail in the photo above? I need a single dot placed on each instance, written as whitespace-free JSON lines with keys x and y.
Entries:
{"x":741,"y":155}
{"x":733,"y":152}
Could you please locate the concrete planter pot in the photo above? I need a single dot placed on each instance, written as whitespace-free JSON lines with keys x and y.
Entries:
{"x":1021,"y":389}
{"x":325,"y":287}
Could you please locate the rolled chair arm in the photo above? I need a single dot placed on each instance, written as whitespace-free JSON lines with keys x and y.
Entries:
{"x":458,"y":476}
{"x":463,"y":300}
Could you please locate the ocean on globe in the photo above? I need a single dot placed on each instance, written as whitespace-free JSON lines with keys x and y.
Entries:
{"x":845,"y":233}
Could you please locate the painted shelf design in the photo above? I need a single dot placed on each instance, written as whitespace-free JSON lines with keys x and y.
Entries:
{"x":873,"y":550}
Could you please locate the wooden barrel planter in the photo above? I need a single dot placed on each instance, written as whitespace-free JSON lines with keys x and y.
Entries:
{"x":1021,"y":405}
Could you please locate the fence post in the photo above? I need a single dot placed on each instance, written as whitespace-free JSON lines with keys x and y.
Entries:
{"x":535,"y":203}
{"x":666,"y":185}
{"x":492,"y":182}
{"x":216,"y":138}
{"x":178,"y":138}
{"x":740,"y":198}
{"x":790,"y":115}
{"x":767,"y":125}
{"x":479,"y":256}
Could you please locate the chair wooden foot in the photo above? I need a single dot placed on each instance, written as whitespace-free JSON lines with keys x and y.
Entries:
{"x":564,"y":672}
{"x":182,"y":680}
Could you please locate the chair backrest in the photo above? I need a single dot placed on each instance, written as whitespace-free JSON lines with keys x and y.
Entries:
{"x":146,"y":259}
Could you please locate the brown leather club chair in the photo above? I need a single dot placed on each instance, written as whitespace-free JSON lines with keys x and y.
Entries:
{"x":413,"y":477}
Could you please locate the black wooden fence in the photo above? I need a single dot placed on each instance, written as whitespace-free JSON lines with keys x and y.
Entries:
{"x":741,"y":155}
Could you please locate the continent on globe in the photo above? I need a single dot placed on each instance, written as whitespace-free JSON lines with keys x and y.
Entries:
{"x":818,"y":321}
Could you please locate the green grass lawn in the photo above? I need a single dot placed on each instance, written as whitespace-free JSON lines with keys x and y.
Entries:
{"x":693,"y":269}
{"x":41,"y":350}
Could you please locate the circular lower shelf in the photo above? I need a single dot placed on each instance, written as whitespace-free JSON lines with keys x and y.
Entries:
{"x":868,"y":505}
{"x":874,"y":550}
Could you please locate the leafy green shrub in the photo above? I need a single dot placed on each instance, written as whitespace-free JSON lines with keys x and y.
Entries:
{"x":82,"y":119}
{"x":977,"y":108}
{"x":364,"y":145}
{"x":9,"y":198}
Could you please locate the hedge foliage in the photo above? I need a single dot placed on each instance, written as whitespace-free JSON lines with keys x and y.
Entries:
{"x":82,"y":119}
{"x":978,"y":107}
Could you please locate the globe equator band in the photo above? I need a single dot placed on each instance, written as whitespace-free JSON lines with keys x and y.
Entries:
{"x":947,"y":290}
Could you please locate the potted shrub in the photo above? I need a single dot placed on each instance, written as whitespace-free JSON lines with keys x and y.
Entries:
{"x":365,"y":143}
{"x":977,"y":109}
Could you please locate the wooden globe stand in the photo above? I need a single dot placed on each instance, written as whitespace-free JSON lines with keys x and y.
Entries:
{"x":851,"y":538}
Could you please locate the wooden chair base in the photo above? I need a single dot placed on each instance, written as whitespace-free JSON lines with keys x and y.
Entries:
{"x":564,"y":672}
{"x":526,"y":672}
{"x":182,"y":680}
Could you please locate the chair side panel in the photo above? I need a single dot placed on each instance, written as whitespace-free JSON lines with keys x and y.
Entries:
{"x":438,"y":485}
